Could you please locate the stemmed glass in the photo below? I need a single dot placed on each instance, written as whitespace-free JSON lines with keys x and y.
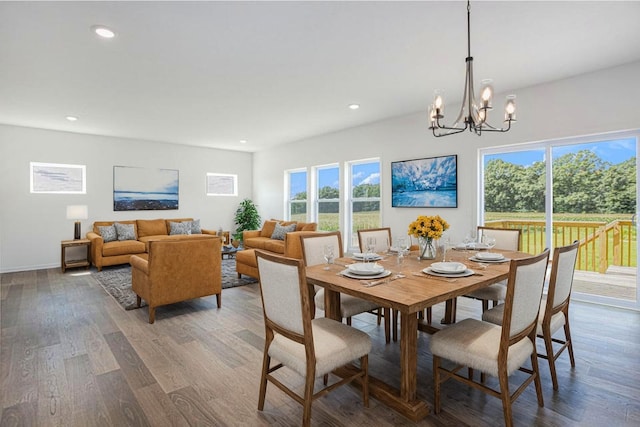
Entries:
{"x":470,"y":240}
{"x":371,"y":247}
{"x":445,"y":240}
{"x":489,"y":241}
{"x":328,"y":255}
{"x":402,"y":248}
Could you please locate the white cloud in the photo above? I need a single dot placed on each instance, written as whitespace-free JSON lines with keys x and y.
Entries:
{"x":374,"y":178}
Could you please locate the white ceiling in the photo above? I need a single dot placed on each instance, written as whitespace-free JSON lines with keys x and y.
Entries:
{"x":213,"y":73}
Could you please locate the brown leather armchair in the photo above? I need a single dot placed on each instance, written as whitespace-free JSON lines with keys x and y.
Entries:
{"x":177,"y":270}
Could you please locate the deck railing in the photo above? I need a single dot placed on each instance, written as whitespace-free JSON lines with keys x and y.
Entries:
{"x":601,"y":244}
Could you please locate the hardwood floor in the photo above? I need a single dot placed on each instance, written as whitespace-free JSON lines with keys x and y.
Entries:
{"x":71,"y":356}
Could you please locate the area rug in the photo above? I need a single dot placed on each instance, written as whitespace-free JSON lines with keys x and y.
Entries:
{"x":116,"y":281}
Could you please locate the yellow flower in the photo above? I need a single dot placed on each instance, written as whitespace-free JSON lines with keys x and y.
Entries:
{"x":430,"y":227}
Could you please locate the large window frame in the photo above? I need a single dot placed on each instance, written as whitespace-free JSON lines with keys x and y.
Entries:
{"x":296,"y":175}
{"x":350,"y":233}
{"x":548,"y":147}
{"x":320,"y":175}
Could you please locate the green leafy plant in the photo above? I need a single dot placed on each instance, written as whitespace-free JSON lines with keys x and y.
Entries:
{"x":247,"y":218}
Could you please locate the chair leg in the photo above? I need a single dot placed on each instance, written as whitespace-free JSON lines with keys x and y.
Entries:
{"x":485,"y":305}
{"x":548,"y":346}
{"x":308,"y":399}
{"x":436,"y":384}
{"x":536,"y":371}
{"x":219,"y":299}
{"x":379,"y":316}
{"x":266,"y":361}
{"x":364,"y":365}
{"x":429,"y":315}
{"x":325,"y":379}
{"x":349,"y":321}
{"x":138,"y":300}
{"x":387,"y":325}
{"x":505,"y":396}
{"x":395,"y":324}
{"x":152,"y":314}
{"x":567,"y":334}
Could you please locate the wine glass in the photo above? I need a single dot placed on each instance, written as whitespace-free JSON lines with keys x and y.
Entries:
{"x":401,"y":247}
{"x":445,"y":240}
{"x":470,"y":239}
{"x":489,"y":241}
{"x":371,"y":247}
{"x":328,"y":255}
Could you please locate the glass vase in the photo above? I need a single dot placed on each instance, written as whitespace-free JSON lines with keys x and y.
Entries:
{"x":427,"y":248}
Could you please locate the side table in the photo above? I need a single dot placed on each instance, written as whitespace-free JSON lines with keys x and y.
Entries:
{"x":84,"y":262}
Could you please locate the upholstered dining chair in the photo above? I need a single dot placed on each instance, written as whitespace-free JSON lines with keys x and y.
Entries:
{"x":382,"y":236}
{"x":508,"y":240}
{"x":310,"y":347}
{"x":554,"y":310}
{"x":497,"y":350}
{"x":313,"y":254}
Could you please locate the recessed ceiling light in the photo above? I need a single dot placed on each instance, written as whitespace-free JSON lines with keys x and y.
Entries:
{"x":354,"y":106}
{"x":243,"y":141}
{"x":103,"y":31}
{"x":72,"y":118}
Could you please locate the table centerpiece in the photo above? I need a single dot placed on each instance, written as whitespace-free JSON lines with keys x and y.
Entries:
{"x":428,"y":229}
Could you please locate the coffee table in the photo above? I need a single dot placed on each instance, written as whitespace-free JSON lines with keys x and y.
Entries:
{"x":230,"y":252}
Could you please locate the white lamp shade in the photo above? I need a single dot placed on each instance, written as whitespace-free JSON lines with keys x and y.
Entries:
{"x":77,"y":212}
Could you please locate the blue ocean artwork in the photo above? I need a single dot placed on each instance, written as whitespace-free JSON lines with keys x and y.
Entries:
{"x":430,"y":182}
{"x":137,"y":189}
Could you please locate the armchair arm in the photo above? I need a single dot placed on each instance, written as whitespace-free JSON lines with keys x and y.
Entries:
{"x":212,"y":232}
{"x":247,"y":234}
{"x":140,"y":264}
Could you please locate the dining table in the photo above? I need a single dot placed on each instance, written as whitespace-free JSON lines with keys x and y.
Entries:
{"x":409,"y":291}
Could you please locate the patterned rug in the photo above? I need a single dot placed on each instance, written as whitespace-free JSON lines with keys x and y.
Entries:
{"x":116,"y":281}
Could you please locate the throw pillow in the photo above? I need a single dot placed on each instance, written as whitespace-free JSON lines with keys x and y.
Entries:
{"x":125,"y":231}
{"x":195,"y":227}
{"x":108,"y":233}
{"x":179,"y":228}
{"x":281,"y":230}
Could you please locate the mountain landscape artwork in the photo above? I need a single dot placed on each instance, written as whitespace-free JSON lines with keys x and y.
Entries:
{"x":425,"y":183}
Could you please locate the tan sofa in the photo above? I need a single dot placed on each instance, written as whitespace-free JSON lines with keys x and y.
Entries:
{"x":119,"y":251}
{"x":261,"y":239}
{"x":176,"y":270}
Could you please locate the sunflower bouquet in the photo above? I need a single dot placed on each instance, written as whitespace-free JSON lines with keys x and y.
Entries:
{"x":428,"y":227}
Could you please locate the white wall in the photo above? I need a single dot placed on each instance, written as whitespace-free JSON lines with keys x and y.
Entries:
{"x":593,"y":103}
{"x":32,"y":225}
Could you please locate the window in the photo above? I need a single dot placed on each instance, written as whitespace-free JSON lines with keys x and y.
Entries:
{"x":581,"y":189}
{"x":328,"y":198}
{"x":58,"y":178}
{"x":296,"y":182}
{"x":363,"y":198}
{"x":222,"y":184}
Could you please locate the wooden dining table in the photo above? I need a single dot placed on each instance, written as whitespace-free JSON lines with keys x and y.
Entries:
{"x":408,"y":295}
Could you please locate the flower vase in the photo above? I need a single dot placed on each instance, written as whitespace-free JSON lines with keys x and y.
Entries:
{"x":427,"y":248}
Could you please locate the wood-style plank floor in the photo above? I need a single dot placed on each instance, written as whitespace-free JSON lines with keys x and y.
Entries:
{"x":71,"y":356}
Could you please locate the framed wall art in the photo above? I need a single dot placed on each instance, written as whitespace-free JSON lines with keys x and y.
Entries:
{"x":425,"y":183}
{"x":143,"y":189}
{"x":58,"y":178}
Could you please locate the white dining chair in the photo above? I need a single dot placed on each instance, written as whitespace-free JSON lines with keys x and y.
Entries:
{"x":310,"y":347}
{"x":492,"y":349}
{"x":554,"y":310}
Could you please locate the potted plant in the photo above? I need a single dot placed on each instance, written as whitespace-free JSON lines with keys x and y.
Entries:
{"x":247,"y":218}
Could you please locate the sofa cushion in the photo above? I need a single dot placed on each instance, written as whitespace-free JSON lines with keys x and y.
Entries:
{"x":179,"y":228}
{"x":256,"y":242}
{"x":307,"y":226}
{"x":125,"y":231}
{"x":108,"y":233}
{"x":123,"y":247}
{"x":167,"y":221}
{"x":151,"y":227}
{"x":267,"y":228}
{"x":195,"y":227}
{"x":281,"y":230}
{"x":276,"y":246}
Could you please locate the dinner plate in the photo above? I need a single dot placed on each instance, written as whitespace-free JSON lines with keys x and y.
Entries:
{"x":372,"y":257}
{"x":365,"y":268}
{"x":346,"y":273}
{"x":491,"y":256}
{"x":490,"y":261}
{"x":448,"y":267}
{"x":465,"y":273}
{"x":471,"y":246}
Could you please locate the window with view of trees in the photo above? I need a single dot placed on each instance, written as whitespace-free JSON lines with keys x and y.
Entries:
{"x":297,"y":195}
{"x":328,"y":198}
{"x":556,"y":193}
{"x":364,"y":197}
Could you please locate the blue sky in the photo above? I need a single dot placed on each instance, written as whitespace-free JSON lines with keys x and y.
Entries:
{"x":365,"y":173}
{"x":613,"y":151}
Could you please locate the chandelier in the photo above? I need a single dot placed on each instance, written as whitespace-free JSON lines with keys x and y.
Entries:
{"x":473,"y":115}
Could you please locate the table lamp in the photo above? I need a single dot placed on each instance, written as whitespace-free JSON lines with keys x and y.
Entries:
{"x":77,"y":212}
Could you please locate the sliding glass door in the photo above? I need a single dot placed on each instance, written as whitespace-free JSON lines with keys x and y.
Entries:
{"x":581,"y":189}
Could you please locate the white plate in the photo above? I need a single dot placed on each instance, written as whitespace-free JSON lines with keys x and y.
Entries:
{"x":448,"y":267}
{"x":490,"y":261}
{"x":490,"y":256}
{"x":365,"y":268}
{"x":465,"y":273}
{"x":372,"y":257}
{"x":471,"y":246}
{"x":346,"y":273}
